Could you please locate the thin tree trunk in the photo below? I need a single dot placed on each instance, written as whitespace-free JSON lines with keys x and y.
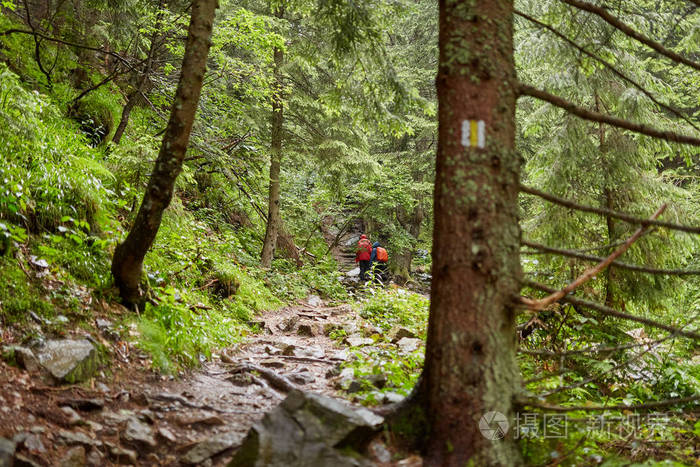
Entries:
{"x":470,"y":368}
{"x":134,"y":96}
{"x":607,"y":193}
{"x":128,"y":256}
{"x":273,"y":209}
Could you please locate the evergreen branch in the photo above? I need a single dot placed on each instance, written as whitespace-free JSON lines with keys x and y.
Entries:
{"x":115,"y":55}
{"x":587,"y":275}
{"x":566,"y":353}
{"x":627,"y":30}
{"x":609,"y":66}
{"x":607,"y":311}
{"x":619,"y":264}
{"x":528,"y":402}
{"x":526,"y":90}
{"x":607,"y":212}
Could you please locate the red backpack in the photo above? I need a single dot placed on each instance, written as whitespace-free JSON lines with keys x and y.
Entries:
{"x":382,"y":255}
{"x":364,"y":244}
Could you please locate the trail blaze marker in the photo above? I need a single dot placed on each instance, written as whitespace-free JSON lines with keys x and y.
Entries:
{"x":474,"y":133}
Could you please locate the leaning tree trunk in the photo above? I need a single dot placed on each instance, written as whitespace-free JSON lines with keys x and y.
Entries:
{"x":470,"y":368}
{"x":128,"y":256}
{"x":273,"y":210}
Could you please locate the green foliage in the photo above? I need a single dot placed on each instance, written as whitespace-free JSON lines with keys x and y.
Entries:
{"x":397,"y":307}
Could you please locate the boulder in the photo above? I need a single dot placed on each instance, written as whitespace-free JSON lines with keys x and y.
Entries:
{"x":309,"y":430}
{"x":212,"y":446}
{"x":314,"y":301}
{"x":397,"y":333}
{"x":308,"y":329}
{"x":70,"y":361}
{"x":138,"y":433}
{"x":357,"y":341}
{"x":22,"y":356}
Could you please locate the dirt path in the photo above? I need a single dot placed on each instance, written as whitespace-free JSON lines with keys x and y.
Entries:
{"x":139,"y":418}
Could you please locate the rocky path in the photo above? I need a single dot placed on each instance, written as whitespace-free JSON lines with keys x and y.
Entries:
{"x":136,"y":417}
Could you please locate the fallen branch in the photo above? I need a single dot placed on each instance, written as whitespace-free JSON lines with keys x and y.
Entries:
{"x":587,"y":275}
{"x":605,"y":310}
{"x":277,"y":381}
{"x":526,"y":90}
{"x":618,"y":264}
{"x":616,"y":23}
{"x":607,"y":212}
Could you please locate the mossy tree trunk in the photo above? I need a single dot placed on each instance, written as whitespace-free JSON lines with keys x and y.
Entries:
{"x":128,"y":258}
{"x":470,"y":367}
{"x":274,"y":219}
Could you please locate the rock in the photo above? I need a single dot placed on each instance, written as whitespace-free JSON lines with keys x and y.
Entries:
{"x":392,"y":398}
{"x":314,"y":301}
{"x":272,"y":363}
{"x":122,"y":455}
{"x":70,"y":361}
{"x":304,"y":430}
{"x":308,"y":329}
{"x":74,"y":457}
{"x":330,"y":328}
{"x":38,"y":263}
{"x":33,"y":444}
{"x":73,"y":417}
{"x":289,"y":349}
{"x":313,"y":351}
{"x":408,"y":344}
{"x":288,"y":324}
{"x":166,"y":434}
{"x":102,"y":387}
{"x":85,"y":405}
{"x":38,"y":429}
{"x":21,"y":460}
{"x":95,"y":458}
{"x":377,"y":380}
{"x":341,"y":355}
{"x":302,"y":378}
{"x":413,"y":461}
{"x":212,"y":446}
{"x":7,"y":451}
{"x":379,"y":451}
{"x":138,"y":433}
{"x":397,"y":333}
{"x":356,"y":341}
{"x":77,"y":437}
{"x":370,"y":330}
{"x":23,"y":356}
{"x":353,"y":272}
{"x":112,"y":418}
{"x":355,"y":386}
{"x":259,"y":324}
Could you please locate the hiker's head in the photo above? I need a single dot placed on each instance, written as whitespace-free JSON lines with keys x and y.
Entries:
{"x":376,"y":244}
{"x":363,"y":236}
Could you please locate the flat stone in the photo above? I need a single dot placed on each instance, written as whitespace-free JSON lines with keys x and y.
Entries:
{"x":212,"y":446}
{"x":313,"y":351}
{"x":77,"y":437}
{"x":138,"y":433}
{"x":114,"y":418}
{"x":74,"y":457}
{"x":341,"y":355}
{"x":408,"y":344}
{"x":203,"y":419}
{"x":356,"y":341}
{"x":73,"y":417}
{"x":34,"y":444}
{"x":70,"y":361}
{"x":288,"y":324}
{"x":392,"y":398}
{"x":302,"y":378}
{"x":167,"y":434}
{"x":304,"y":430}
{"x":353,"y":272}
{"x":84,"y":404}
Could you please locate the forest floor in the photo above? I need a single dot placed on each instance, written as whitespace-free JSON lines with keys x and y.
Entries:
{"x":136,"y":416}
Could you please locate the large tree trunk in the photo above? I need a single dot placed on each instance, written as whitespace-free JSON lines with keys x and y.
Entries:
{"x":273,"y":210}
{"x":128,"y":256}
{"x":401,"y":262}
{"x":470,"y":367}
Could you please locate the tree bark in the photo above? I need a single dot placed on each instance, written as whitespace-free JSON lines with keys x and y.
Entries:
{"x":607,"y":193}
{"x":470,"y":367}
{"x":128,"y":256}
{"x":277,"y":120}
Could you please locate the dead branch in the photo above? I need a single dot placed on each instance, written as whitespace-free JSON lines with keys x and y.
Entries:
{"x":587,"y":275}
{"x":526,"y":402}
{"x":609,"y":66}
{"x":607,"y":212}
{"x":605,"y":310}
{"x":526,"y":90}
{"x":277,"y":381}
{"x":616,"y":23}
{"x":618,"y":264}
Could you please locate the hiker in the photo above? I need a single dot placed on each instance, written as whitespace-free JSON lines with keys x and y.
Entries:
{"x":379,"y":260}
{"x":364,"y":252}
